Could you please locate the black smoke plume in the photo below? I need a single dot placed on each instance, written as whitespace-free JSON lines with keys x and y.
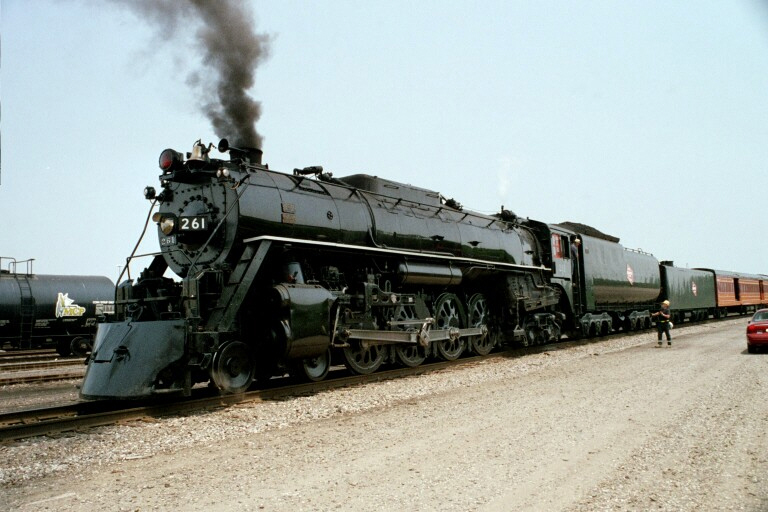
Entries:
{"x":230,"y":51}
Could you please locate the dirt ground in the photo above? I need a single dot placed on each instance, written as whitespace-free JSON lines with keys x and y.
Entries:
{"x":613,"y":425}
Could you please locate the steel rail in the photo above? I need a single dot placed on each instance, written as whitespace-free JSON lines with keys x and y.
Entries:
{"x":21,"y":355}
{"x":83,"y":415}
{"x":41,"y":377}
{"x":18,"y":366}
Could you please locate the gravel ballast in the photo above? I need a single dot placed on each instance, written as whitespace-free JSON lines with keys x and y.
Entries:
{"x":616,"y":424}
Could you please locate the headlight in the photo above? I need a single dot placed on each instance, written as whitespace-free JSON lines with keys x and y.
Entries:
{"x":167,"y":225}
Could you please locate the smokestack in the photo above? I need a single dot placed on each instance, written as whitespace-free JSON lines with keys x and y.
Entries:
{"x":250,"y":155}
{"x":230,"y":53}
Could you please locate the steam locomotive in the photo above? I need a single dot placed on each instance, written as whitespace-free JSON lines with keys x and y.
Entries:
{"x":289,"y":272}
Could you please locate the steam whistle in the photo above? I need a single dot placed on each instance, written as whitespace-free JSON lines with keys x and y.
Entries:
{"x":223,"y":146}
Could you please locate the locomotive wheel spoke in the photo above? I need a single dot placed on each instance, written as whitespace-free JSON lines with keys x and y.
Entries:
{"x":448,"y":314}
{"x":478,"y":316}
{"x":233,"y":369}
{"x":408,"y":355}
{"x":362,"y":360}
{"x":450,"y":349}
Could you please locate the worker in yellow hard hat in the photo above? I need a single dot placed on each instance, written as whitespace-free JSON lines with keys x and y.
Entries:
{"x":663,"y":317}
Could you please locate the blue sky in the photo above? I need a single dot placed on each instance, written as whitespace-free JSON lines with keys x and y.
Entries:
{"x":645,"y":119}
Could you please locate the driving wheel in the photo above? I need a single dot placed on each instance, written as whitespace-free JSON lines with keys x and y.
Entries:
{"x":477,"y":317}
{"x":408,"y":354}
{"x":448,"y":314}
{"x":362,"y":358}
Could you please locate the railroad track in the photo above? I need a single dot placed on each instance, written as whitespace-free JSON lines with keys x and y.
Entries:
{"x":18,"y":366}
{"x":39,"y":368}
{"x":16,"y":355}
{"x":40,"y":378}
{"x":83,"y":415}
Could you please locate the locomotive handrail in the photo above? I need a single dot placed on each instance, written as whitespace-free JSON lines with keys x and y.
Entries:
{"x":377,"y":245}
{"x":320,"y":184}
{"x":159,"y":253}
{"x":639,"y":251}
{"x":127,"y":268}
{"x":401,"y":252}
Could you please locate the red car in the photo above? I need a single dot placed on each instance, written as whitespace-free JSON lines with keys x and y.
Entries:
{"x":757,"y":331}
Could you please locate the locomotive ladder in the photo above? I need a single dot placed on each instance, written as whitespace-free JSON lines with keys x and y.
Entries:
{"x":27,"y":313}
{"x":222,"y":317}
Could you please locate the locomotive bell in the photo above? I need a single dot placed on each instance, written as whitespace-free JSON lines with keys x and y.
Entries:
{"x":198,"y":157}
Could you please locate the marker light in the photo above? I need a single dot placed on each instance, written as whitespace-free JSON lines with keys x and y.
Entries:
{"x":170,"y":160}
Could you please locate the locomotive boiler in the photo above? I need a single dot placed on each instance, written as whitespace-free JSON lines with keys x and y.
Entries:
{"x":60,"y":310}
{"x":260,"y":273}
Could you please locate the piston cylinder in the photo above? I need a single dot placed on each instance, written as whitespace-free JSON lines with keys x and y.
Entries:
{"x":303,"y":312}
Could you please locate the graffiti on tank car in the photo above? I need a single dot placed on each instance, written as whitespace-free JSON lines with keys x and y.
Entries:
{"x":67,"y":307}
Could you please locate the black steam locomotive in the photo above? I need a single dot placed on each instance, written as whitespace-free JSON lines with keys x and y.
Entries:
{"x":285,"y":273}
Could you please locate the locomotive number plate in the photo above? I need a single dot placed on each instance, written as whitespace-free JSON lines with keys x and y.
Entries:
{"x":166,"y":241}
{"x":193,"y":223}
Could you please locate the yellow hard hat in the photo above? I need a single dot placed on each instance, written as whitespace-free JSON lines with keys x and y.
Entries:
{"x":666,"y":302}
